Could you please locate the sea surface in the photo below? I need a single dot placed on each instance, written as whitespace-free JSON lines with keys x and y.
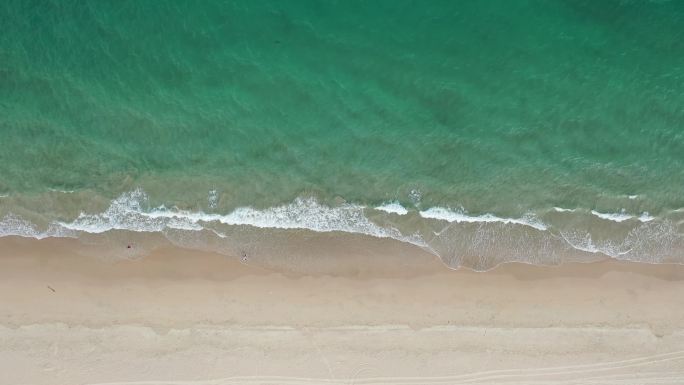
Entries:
{"x":481,"y":131}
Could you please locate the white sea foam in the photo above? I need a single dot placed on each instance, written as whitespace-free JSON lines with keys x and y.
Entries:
{"x":393,"y":208}
{"x":12,"y":224}
{"x":615,"y":217}
{"x":622,"y":216}
{"x":650,"y":241}
{"x":61,"y":191}
{"x":461,"y":216}
{"x":127,"y":213}
{"x":633,"y":197}
{"x":562,"y":210}
{"x":584,"y":242}
{"x":580,"y":242}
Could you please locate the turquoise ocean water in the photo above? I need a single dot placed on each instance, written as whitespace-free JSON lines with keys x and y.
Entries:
{"x":481,"y":131}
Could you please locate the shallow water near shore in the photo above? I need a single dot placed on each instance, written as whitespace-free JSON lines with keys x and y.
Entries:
{"x":536,"y":131}
{"x":293,"y":231}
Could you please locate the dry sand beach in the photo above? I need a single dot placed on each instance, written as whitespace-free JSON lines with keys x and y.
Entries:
{"x":186,"y":317}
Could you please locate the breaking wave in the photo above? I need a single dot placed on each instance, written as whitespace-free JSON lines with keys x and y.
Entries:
{"x":479,"y":241}
{"x":460,"y":216}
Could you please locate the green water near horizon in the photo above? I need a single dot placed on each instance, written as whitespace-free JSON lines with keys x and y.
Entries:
{"x":496,"y":106}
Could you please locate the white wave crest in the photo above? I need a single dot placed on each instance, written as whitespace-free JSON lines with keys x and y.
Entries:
{"x":622,"y":216}
{"x":645,"y":217}
{"x":128,"y":213}
{"x":460,"y":216}
{"x":61,"y":191}
{"x":393,"y":208}
{"x":562,"y":210}
{"x":615,"y":217}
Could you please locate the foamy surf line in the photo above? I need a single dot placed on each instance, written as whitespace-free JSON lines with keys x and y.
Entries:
{"x":127,"y":213}
{"x":459,"y":216}
{"x":14,"y":225}
{"x":392,"y":208}
{"x":622,"y":216}
{"x":643,"y":238}
{"x":618,"y":217}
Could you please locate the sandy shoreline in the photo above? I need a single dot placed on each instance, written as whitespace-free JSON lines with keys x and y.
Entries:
{"x":180,"y":315}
